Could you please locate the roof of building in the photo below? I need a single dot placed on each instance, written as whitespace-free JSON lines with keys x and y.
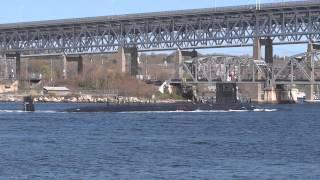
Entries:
{"x":48,"y":88}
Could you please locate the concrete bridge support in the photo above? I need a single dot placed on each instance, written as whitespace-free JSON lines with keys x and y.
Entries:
{"x":17,"y":58}
{"x":284,"y":94}
{"x":269,"y":91}
{"x":270,"y":95}
{"x":180,"y":57}
{"x":257,"y":44}
{"x":280,"y":94}
{"x":309,"y":92}
{"x":257,"y":49}
{"x":310,"y":88}
{"x":128,"y":66}
{"x":256,"y":88}
{"x":69,"y":58}
{"x":268,"y":50}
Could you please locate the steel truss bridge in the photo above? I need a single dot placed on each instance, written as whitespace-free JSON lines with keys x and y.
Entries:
{"x":284,"y":23}
{"x":303,"y":69}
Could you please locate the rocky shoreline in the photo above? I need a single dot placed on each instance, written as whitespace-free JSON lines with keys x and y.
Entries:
{"x":78,"y":99}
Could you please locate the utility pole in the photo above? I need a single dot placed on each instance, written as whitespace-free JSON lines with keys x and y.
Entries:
{"x":28,"y":78}
{"x":146,"y":66}
{"x":6,"y":74}
{"x":51,"y":71}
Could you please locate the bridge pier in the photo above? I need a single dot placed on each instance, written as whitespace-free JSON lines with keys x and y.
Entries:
{"x":284,"y":94}
{"x":269,"y":91}
{"x":129,"y":66}
{"x":257,"y":49}
{"x":258,"y":43}
{"x":180,"y":55}
{"x":310,"y":88}
{"x":69,"y":58}
{"x":268,"y":50}
{"x":256,"y":94}
{"x":309,"y":92}
{"x":270,"y":95}
{"x":279,"y":94}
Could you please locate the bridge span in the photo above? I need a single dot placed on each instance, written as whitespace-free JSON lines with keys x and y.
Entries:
{"x":283,"y":23}
{"x":248,"y":25}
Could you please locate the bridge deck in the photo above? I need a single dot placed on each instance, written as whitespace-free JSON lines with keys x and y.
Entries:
{"x":309,"y":4}
{"x":283,"y":23}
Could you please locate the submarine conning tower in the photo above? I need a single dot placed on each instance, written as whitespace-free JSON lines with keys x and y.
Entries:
{"x":226,"y":93}
{"x":28,"y":104}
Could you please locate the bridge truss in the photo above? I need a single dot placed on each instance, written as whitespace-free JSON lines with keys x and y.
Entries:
{"x":295,"y":22}
{"x":303,"y":69}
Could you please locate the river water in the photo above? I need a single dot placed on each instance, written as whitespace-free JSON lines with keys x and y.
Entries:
{"x":275,"y":142}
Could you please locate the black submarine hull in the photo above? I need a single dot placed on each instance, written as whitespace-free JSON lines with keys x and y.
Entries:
{"x":160,"y":107}
{"x":226,"y":99}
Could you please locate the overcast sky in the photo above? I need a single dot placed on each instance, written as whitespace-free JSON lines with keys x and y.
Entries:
{"x":35,"y":10}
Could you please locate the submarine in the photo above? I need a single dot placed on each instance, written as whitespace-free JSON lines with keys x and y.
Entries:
{"x":28,"y":105}
{"x":226,"y":99}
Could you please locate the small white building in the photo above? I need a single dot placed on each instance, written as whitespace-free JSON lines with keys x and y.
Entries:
{"x":56,"y":91}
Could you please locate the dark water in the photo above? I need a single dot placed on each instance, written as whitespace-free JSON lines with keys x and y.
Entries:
{"x":282,"y":144}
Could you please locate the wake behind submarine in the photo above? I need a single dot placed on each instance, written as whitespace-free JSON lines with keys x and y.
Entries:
{"x":226,"y":99}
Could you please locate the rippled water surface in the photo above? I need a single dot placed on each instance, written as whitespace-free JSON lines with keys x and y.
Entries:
{"x":275,"y":142}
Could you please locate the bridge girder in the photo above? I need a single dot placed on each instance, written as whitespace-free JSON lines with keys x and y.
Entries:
{"x":191,"y":29}
{"x":297,"y":69}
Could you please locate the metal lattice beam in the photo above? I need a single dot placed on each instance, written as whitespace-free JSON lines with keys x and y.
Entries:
{"x":235,"y":26}
{"x":302,"y":68}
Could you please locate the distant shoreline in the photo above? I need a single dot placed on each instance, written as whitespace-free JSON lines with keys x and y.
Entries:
{"x":86,"y":99}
